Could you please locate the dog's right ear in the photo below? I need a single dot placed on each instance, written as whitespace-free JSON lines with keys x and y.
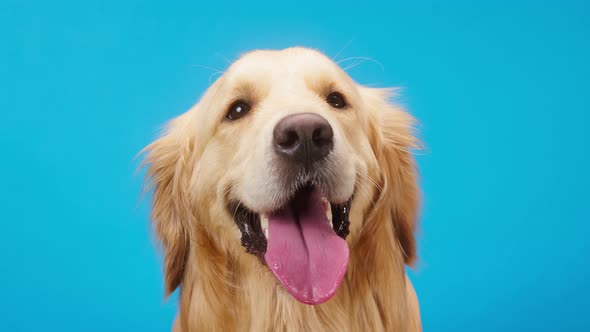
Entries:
{"x":392,"y":140}
{"x":171,"y":160}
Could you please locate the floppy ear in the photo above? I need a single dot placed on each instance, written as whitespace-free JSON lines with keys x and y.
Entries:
{"x":170,"y":161}
{"x":392,"y":139}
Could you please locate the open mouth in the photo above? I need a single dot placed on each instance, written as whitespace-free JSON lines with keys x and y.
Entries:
{"x":302,"y":243}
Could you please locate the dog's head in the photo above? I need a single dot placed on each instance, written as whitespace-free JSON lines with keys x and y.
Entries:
{"x":287,"y":157}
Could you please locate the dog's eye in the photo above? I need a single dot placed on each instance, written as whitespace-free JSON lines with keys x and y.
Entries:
{"x":237,"y":110}
{"x":336,"y":100}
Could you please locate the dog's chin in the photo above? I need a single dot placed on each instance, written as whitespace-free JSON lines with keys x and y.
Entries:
{"x":302,"y":243}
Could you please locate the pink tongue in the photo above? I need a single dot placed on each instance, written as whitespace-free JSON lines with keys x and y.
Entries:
{"x":303,"y":250}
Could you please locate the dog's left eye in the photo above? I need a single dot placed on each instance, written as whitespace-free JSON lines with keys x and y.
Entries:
{"x":237,"y":110}
{"x":336,"y":100}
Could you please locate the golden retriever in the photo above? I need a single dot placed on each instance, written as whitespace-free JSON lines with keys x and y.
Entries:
{"x":286,"y":200}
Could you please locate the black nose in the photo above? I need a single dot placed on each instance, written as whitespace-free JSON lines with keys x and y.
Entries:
{"x":304,"y":138}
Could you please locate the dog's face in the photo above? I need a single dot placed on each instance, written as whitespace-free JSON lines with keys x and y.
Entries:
{"x":284,"y":156}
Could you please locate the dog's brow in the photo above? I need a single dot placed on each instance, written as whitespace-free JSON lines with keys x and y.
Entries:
{"x":321,"y":84}
{"x":245,"y":89}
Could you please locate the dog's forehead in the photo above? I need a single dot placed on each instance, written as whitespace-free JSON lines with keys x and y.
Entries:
{"x":280,"y":64}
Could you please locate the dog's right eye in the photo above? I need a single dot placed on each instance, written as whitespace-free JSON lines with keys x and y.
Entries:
{"x":237,"y":110}
{"x":336,"y":100}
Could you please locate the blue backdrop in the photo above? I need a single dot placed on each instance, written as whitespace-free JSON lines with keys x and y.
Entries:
{"x":501,"y":90}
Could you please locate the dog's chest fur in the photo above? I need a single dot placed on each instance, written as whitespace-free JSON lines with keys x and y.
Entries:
{"x":242,"y":295}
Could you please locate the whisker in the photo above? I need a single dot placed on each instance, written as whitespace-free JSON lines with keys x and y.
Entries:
{"x":342,"y":49}
{"x":213,"y":75}
{"x":222,"y":57}
{"x":236,"y":210}
{"x":359,"y":60}
{"x":370,"y":183}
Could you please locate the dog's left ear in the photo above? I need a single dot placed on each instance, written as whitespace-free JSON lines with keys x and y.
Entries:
{"x":171,"y":161}
{"x":392,"y":139}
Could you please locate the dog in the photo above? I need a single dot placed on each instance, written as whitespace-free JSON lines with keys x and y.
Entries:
{"x":286,"y":199}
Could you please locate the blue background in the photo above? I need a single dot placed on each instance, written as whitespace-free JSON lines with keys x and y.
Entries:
{"x":501,"y":90}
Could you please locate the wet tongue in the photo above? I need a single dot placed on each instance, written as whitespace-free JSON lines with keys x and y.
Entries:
{"x":303,"y":250}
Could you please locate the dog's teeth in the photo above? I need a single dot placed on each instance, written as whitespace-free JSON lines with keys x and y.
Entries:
{"x":264,"y":224}
{"x":264,"y":221}
{"x":327,"y":209}
{"x":329,"y":214}
{"x":325,"y":203}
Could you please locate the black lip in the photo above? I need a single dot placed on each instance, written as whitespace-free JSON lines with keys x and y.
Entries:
{"x":253,"y":239}
{"x":341,"y":218}
{"x":249,"y":224}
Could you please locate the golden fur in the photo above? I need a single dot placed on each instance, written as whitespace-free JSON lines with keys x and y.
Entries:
{"x":201,"y":161}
